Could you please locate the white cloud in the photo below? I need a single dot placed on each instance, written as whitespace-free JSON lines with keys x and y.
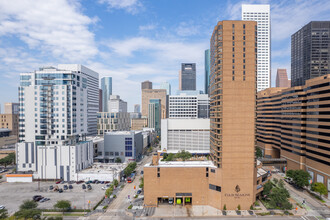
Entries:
{"x":131,"y":6}
{"x":148,"y":27}
{"x":187,"y":29}
{"x":52,"y":27}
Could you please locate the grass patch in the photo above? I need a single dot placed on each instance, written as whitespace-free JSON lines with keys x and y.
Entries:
{"x":130,"y":207}
{"x":65,"y":214}
{"x":317,"y":197}
{"x":263,"y":213}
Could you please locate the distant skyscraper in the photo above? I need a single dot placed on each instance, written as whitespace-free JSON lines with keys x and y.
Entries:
{"x":146,"y":85}
{"x":187,"y":76}
{"x":115,"y":104}
{"x":11,"y":108}
{"x":282,"y":78}
{"x":310,"y":49}
{"x":154,"y":114}
{"x":261,"y":14}
{"x":137,"y":108}
{"x":106,"y":86}
{"x":167,"y":86}
{"x":100,"y":101}
{"x":207,"y":71}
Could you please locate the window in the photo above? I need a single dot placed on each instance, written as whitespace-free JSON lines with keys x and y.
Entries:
{"x":233,"y":60}
{"x":233,"y":37}
{"x":233,"y":78}
{"x":233,"y":49}
{"x":243,"y":78}
{"x":243,"y":26}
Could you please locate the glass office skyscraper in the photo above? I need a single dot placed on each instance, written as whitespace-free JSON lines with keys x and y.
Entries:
{"x":106,"y":86}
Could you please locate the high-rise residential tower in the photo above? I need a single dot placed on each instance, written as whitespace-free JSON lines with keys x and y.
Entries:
{"x":146,"y":85}
{"x":58,"y":109}
{"x":154,"y":114}
{"x":167,"y":86}
{"x":261,"y":14}
{"x":282,"y":78}
{"x":232,"y":111}
{"x":187,"y":76}
{"x":106,"y":86}
{"x":310,"y":49}
{"x":116,"y":104}
{"x":207,"y":71}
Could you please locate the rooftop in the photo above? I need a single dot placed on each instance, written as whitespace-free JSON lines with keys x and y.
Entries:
{"x":4,"y":130}
{"x":122,"y":132}
{"x":100,"y":168}
{"x":190,"y":163}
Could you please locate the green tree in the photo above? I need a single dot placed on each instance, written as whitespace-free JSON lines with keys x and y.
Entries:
{"x":108,"y":192}
{"x":28,"y":214}
{"x":267,"y":189}
{"x":281,"y":183}
{"x":3,"y":213}
{"x":9,"y":159}
{"x":170,"y":157}
{"x":278,"y":197}
{"x":141,"y":182}
{"x":258,"y":152}
{"x":63,"y":204}
{"x":275,"y":181}
{"x":165,"y":155}
{"x":118,"y":160}
{"x":224,"y":207}
{"x":184,"y":155}
{"x":28,"y":204}
{"x":301,"y":178}
{"x":320,"y":188}
{"x":290,"y":173}
{"x":130,"y":169}
{"x":115,"y":183}
{"x":239,"y":207}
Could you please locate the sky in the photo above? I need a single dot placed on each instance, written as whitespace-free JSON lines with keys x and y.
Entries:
{"x":131,"y":40}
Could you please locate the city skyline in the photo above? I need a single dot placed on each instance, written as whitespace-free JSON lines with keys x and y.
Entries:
{"x":184,"y":39}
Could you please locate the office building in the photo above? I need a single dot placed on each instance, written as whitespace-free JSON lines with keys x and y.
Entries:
{"x":191,"y":135}
{"x":135,"y":115}
{"x":206,"y":71}
{"x":106,"y":86}
{"x":231,"y":177}
{"x":137,"y":108}
{"x":189,"y":106}
{"x":58,"y":109}
{"x":12,"y":108}
{"x":293,"y":124}
{"x":282,"y":78}
{"x":115,"y":104}
{"x":310,"y":48}
{"x":9,"y":121}
{"x":261,"y":14}
{"x":126,"y":145}
{"x":167,"y":86}
{"x":154,"y":114}
{"x":138,"y":124}
{"x":189,"y":92}
{"x":187,"y":76}
{"x":100,"y":101}
{"x":148,"y":94}
{"x":114,"y":121}
{"x":146,"y":85}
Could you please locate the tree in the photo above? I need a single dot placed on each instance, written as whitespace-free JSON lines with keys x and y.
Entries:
{"x":129,"y":169}
{"x":239,"y":207}
{"x":28,"y":214}
{"x":170,"y":157}
{"x":3,"y":213}
{"x":281,"y":183}
{"x":224,"y":207}
{"x":278,"y":197}
{"x":118,"y":160}
{"x":63,"y":204}
{"x":28,"y":204}
{"x":141,"y":182}
{"x":267,"y":189}
{"x":109,"y":191}
{"x":300,"y":177}
{"x":115,"y":182}
{"x":184,"y":155}
{"x":258,"y":152}
{"x":275,"y":181}
{"x":9,"y":159}
{"x":320,"y":188}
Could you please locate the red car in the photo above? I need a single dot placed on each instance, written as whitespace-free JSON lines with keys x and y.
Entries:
{"x":58,"y":182}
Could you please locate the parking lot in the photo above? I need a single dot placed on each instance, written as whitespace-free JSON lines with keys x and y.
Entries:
{"x":13,"y":194}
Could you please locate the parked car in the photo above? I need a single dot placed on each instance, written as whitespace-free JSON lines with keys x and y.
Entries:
{"x":106,"y":182}
{"x":102,"y":182}
{"x":39,"y":198}
{"x":62,"y":182}
{"x":89,"y":187}
{"x":65,"y":187}
{"x":35,"y":197}
{"x":60,"y":190}
{"x":51,"y":187}
{"x":70,"y":186}
{"x":79,"y":182}
{"x":44,"y":200}
{"x":105,"y":187}
{"x":83,"y":186}
{"x":58,"y":182}
{"x":2,"y":207}
{"x":139,"y":192}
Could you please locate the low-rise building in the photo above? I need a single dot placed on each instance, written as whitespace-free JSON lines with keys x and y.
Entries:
{"x":102,"y":172}
{"x":126,"y":145}
{"x":191,"y":135}
{"x":114,"y":121}
{"x":9,"y":121}
{"x":138,"y":124}
{"x":55,"y":161}
{"x":6,"y":137}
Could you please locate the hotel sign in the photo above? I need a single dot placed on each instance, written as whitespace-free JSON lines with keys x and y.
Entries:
{"x":237,"y":195}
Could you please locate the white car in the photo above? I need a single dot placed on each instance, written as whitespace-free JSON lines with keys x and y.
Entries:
{"x":2,"y":207}
{"x":105,"y":187}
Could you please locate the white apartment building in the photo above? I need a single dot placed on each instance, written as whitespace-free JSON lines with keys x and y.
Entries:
{"x":191,"y":135}
{"x":115,"y":104}
{"x":58,"y":108}
{"x":189,"y":106}
{"x":261,"y":14}
{"x":114,"y":121}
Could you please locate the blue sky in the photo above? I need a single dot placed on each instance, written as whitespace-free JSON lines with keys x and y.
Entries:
{"x":131,"y":40}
